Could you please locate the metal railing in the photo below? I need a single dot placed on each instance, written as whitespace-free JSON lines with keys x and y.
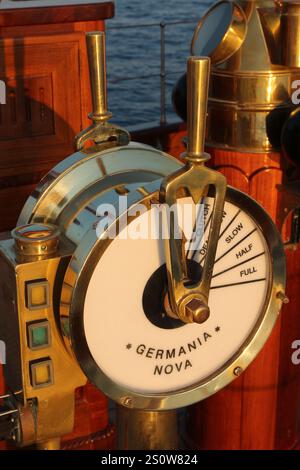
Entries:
{"x":162,"y":72}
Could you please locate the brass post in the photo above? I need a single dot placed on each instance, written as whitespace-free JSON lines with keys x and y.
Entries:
{"x":97,"y":66}
{"x":197,"y":96}
{"x":146,"y":430}
{"x":99,"y":132}
{"x":290,"y":34}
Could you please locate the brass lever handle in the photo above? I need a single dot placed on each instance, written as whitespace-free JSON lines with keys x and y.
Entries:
{"x":95,"y":42}
{"x":189,"y":302}
{"x":197,"y":97}
{"x":99,"y":131}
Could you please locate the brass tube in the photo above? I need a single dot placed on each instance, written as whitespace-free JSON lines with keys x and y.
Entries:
{"x":97,"y":66}
{"x":290,"y":35}
{"x":146,"y":430}
{"x":197,"y":96}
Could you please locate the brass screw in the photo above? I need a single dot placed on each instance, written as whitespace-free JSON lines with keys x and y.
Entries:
{"x":13,"y":434}
{"x":281,"y":296}
{"x":127,"y":402}
{"x":238,"y":371}
{"x":197,"y":310}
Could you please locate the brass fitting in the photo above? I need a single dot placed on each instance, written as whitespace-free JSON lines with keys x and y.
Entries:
{"x":253,"y":68}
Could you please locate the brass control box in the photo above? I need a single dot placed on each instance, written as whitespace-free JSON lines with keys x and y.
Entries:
{"x":37,"y":362}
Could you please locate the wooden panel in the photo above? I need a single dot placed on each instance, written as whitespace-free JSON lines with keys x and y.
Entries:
{"x":102,"y":440}
{"x":91,"y":399}
{"x":288,"y":408}
{"x":29,"y":108}
{"x":46,"y":29}
{"x":261,"y":378}
{"x":215,"y":422}
{"x":47,"y":104}
{"x":58,"y":14}
{"x":235,"y":177}
{"x":60,"y":99}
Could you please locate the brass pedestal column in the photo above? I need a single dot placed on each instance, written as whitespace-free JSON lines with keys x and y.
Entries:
{"x":151,"y":430}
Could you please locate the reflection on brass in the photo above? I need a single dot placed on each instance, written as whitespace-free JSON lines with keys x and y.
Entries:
{"x":99,"y":131}
{"x":252,"y":87}
{"x":151,"y":430}
{"x":190,"y":303}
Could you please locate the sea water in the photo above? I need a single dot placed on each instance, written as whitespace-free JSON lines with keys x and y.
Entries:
{"x":134,"y":54}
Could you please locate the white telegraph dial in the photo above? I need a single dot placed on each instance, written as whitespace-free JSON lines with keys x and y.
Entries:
{"x":138,"y":354}
{"x":130,"y":348}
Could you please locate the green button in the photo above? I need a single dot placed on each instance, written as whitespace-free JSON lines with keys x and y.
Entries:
{"x":39,"y":335}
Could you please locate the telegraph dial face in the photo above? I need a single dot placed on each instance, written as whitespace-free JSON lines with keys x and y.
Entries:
{"x":136,"y":354}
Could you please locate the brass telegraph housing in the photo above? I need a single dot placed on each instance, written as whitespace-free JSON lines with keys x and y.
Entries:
{"x":49,"y":262}
{"x":37,"y":362}
{"x":255,"y":63}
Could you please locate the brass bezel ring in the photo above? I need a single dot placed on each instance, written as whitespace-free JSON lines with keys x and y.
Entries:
{"x":38,"y":239}
{"x":233,"y":37}
{"x":80,"y":270}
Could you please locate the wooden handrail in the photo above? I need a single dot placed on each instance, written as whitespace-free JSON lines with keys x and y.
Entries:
{"x":56,"y":14}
